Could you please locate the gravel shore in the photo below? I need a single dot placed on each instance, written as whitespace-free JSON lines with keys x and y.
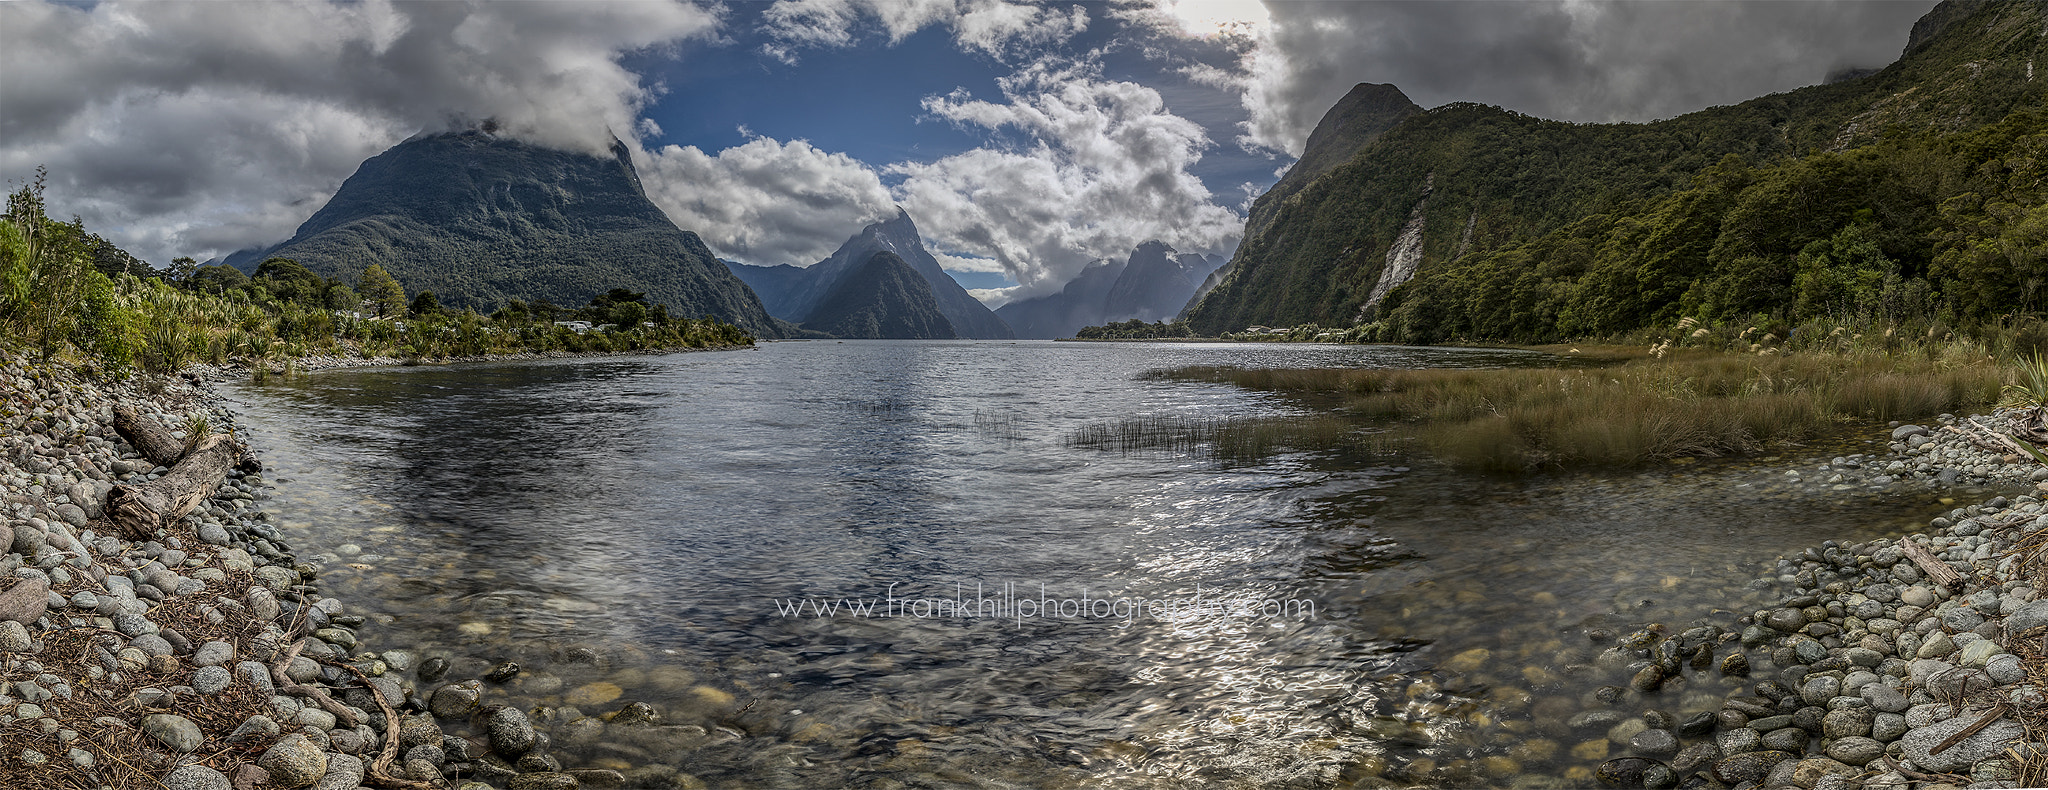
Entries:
{"x":205,"y":658}
{"x":1867,"y":672}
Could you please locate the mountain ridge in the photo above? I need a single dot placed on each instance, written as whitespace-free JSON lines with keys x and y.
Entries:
{"x":481,"y":220}
{"x":792,"y":293}
{"x":1470,"y":180}
{"x":883,"y":298}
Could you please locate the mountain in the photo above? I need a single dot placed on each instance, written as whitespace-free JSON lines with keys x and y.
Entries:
{"x":1882,"y":196}
{"x":795,"y":293}
{"x":883,"y":298}
{"x":1153,"y":284}
{"x":481,"y":220}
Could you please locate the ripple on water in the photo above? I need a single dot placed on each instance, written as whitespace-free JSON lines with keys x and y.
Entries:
{"x":622,"y":529}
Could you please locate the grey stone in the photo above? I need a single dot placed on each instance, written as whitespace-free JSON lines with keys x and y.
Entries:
{"x":211,"y":680}
{"x":1654,"y":743}
{"x":344,"y":772}
{"x":455,"y":700}
{"x":2005,"y":668}
{"x":256,"y":675}
{"x":151,"y":645}
{"x":2029,"y":617}
{"x":1855,"y":750}
{"x":1988,"y":742}
{"x":1888,"y":727}
{"x":175,"y":732}
{"x":294,"y":762}
{"x":197,"y":777}
{"x":1818,"y":690}
{"x":1885,"y":698}
{"x":509,"y":731}
{"x":1740,"y":740}
{"x":14,"y":637}
{"x":551,"y":780}
{"x":256,"y":728}
{"x":213,"y":654}
{"x":1847,"y":722}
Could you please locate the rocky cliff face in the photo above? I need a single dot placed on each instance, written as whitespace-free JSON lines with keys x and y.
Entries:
{"x":793,"y":293}
{"x":481,"y":220}
{"x":1319,"y":246}
{"x":882,"y":298}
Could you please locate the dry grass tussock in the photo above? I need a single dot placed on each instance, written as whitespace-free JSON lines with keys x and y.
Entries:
{"x":1696,"y":404}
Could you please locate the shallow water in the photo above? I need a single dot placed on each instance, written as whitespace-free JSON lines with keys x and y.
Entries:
{"x":1406,"y":624}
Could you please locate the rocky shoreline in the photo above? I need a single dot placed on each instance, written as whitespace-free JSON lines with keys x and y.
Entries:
{"x":1865,"y":670}
{"x":206,"y":658}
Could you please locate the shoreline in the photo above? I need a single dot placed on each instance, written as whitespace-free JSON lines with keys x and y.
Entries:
{"x":241,"y":370}
{"x":471,"y":740}
{"x":1896,"y":662}
{"x":206,"y":657}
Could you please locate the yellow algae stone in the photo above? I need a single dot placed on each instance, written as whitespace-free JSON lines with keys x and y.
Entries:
{"x":1539,"y":676}
{"x":474,"y":629}
{"x":1545,"y":598}
{"x":1534,"y":751}
{"x":1468,"y":660}
{"x":593,"y":694}
{"x":1595,"y":749}
{"x":671,"y":678}
{"x":1579,"y":776}
{"x":1501,"y":766}
{"x":712,"y":697}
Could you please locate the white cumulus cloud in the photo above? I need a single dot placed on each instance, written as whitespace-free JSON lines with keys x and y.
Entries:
{"x":197,"y":127}
{"x":999,"y":28}
{"x":767,"y":202}
{"x":1106,"y":168}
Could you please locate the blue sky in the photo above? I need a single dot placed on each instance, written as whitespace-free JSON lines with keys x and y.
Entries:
{"x":1025,"y":138}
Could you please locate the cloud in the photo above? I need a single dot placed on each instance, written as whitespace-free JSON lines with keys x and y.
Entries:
{"x":1579,"y":61}
{"x":767,"y":202}
{"x":1106,"y":168}
{"x":196,"y":128}
{"x":998,"y":28}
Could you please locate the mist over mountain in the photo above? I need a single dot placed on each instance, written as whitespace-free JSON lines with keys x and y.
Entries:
{"x":481,"y":220}
{"x":1153,"y":284}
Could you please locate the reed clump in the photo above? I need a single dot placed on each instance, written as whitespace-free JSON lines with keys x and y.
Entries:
{"x":1238,"y":439}
{"x":1680,"y":404}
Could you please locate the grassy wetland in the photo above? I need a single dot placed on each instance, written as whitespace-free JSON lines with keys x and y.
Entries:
{"x":1699,"y":393}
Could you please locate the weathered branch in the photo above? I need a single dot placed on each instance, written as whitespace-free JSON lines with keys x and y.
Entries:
{"x":140,"y":510}
{"x":1935,"y":569}
{"x":285,"y":685}
{"x":148,"y":436}
{"x":380,"y":769}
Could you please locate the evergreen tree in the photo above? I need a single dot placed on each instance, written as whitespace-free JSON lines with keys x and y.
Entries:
{"x":382,"y":290}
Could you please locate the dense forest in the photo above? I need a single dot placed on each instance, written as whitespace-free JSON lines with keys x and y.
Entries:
{"x":64,"y":289}
{"x":483,"y":220}
{"x":1912,"y":198}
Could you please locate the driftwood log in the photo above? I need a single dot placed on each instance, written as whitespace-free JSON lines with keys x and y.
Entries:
{"x":148,"y":436}
{"x":1935,"y":569}
{"x":140,"y":510}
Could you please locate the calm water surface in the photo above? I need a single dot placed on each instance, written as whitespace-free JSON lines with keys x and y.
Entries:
{"x":1337,"y":620}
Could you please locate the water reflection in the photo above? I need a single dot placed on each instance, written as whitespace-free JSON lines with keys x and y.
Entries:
{"x":660,"y":510}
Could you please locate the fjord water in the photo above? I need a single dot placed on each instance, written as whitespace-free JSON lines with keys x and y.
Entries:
{"x":637,"y":529}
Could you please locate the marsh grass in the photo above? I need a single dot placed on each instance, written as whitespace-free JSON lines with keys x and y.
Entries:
{"x":1241,"y":439}
{"x":1693,"y":404}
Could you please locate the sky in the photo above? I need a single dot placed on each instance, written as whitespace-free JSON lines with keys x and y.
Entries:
{"x":1025,"y":139}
